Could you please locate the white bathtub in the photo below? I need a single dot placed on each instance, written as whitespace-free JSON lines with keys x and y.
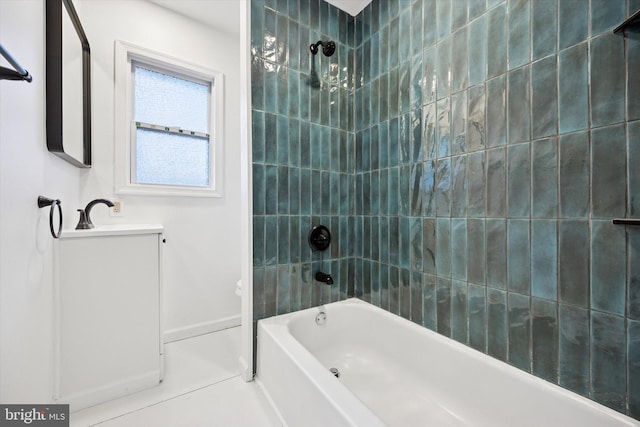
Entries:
{"x":396,"y":373}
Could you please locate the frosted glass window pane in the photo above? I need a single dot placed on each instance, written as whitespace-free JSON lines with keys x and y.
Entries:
{"x":171,"y":159}
{"x":171,"y":101}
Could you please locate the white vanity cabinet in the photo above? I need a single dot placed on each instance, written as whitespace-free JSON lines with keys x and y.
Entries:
{"x":107,"y":329}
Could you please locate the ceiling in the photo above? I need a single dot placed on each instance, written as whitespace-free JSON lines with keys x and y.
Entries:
{"x":225,"y":14}
{"x":352,"y":7}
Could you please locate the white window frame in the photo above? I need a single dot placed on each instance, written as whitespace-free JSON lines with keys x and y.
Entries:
{"x":125,"y":129}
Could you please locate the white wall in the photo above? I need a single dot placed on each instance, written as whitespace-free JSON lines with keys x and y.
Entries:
{"x":27,"y":170}
{"x":202,"y":254}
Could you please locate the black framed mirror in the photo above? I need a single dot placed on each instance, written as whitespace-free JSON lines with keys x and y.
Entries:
{"x":68,"y":66}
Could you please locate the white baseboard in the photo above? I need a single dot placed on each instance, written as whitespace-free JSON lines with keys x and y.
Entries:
{"x":178,"y":334}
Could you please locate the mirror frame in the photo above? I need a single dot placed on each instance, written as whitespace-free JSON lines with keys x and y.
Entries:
{"x":54,"y":90}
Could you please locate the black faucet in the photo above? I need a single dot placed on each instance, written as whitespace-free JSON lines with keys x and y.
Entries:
{"x":85,"y":220}
{"x":324,"y":278}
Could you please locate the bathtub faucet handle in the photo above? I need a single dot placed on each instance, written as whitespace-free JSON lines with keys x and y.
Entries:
{"x":324,"y":278}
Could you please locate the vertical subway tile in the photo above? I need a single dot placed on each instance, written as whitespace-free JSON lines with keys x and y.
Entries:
{"x":429,"y":244}
{"x":459,"y":184}
{"x":607,"y":80}
{"x":497,"y":112}
{"x":258,"y":189}
{"x":633,"y":130}
{"x":544,"y":178}
{"x":633,"y":280}
{"x":608,"y":267}
{"x":270,"y":138}
{"x":519,"y":262}
{"x":544,"y":94}
{"x":497,"y":253}
{"x":416,"y":189}
{"x":574,"y":349}
{"x":608,"y":177}
{"x":573,"y":261}
{"x":544,"y":27}
{"x":429,"y":302}
{"x":476,"y":128}
{"x":405,"y":293}
{"x":429,"y":22}
{"x":608,"y":360}
{"x":416,"y":27}
{"x":574,"y":175}
{"x":496,"y":41}
{"x":429,"y":75}
{"x":633,"y":352}
{"x":283,"y":239}
{"x":518,"y":106}
{"x":459,"y":60}
{"x":459,"y":327}
{"x":405,"y":243}
{"x":496,"y":183}
{"x":459,"y":248}
{"x":416,"y":243}
{"x":443,"y":127}
{"x":283,"y":299}
{"x":270,"y":291}
{"x":519,"y":181}
{"x":258,"y":240}
{"x":444,"y":68}
{"x":544,"y":334}
{"x":443,"y":246}
{"x":283,"y":140}
{"x":458,"y":123}
{"x":520,"y":331}
{"x":497,"y":324}
{"x":606,"y":15}
{"x":477,"y":49}
{"x":271,"y":197}
{"x":443,"y":295}
{"x":519,"y":15}
{"x":443,"y":187}
{"x":257,"y":136}
{"x":458,"y":14}
{"x":575,"y":23}
{"x":283,"y":190}
{"x":573,"y":89}
{"x":477,"y":317}
{"x":476,"y":188}
{"x":416,"y":297}
{"x":443,"y":8}
{"x":633,"y":85}
{"x":476,"y":252}
{"x":544,"y":259}
{"x":428,"y":187}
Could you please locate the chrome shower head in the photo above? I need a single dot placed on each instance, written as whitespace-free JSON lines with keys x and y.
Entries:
{"x":328,"y":47}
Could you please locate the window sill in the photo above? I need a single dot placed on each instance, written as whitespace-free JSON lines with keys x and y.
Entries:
{"x":168,"y":190}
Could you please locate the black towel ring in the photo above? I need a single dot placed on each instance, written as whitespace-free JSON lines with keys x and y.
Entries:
{"x":45,"y":201}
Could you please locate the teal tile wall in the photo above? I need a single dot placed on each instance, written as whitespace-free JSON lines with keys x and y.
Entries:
{"x":468,"y":156}
{"x":510,"y":131}
{"x":303,"y":153}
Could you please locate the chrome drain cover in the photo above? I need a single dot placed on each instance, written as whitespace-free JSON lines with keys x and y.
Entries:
{"x":335,"y":372}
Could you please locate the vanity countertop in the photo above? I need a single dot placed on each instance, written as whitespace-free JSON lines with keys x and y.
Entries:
{"x":113,"y":230}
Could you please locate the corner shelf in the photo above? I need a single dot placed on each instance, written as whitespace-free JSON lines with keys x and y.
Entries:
{"x":630,"y":27}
